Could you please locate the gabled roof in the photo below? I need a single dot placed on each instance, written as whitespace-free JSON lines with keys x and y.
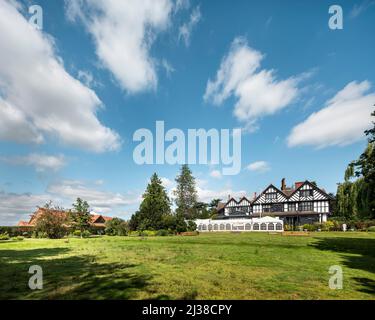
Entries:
{"x":264,"y":191}
{"x":230,"y":201}
{"x":244,"y":198}
{"x":313,"y":187}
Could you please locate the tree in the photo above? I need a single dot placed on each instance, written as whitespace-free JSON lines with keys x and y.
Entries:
{"x":154,"y":206}
{"x":356,"y":198}
{"x":51,"y":222}
{"x":80,"y":215}
{"x":186,"y":194}
{"x":116,"y":227}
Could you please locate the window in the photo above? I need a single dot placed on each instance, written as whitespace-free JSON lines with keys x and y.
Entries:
{"x":292,"y":207}
{"x":256,"y":226}
{"x":279,"y":226}
{"x":227,"y":227}
{"x":216,"y":227}
{"x":271,"y":226}
{"x":266,"y":208}
{"x":210,"y":227}
{"x":222,"y":227}
{"x":306,"y":206}
{"x":204,"y":227}
{"x":263,"y":226}
{"x":277,"y":207}
{"x":322,"y":206}
{"x":271,"y":196}
{"x":247,"y":226}
{"x":306,"y":193}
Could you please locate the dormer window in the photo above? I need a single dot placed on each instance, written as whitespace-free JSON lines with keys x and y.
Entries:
{"x":306,"y":193}
{"x":271,"y":196}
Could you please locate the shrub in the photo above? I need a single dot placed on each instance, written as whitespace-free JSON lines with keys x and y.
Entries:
{"x":191,"y":226}
{"x":162,"y":233}
{"x":371,"y":229}
{"x":76,"y":233}
{"x":328,"y":226}
{"x":18,"y":238}
{"x":86,"y":234}
{"x":116,"y":227}
{"x":4,"y":237}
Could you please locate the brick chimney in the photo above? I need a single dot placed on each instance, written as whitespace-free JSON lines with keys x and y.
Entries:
{"x":283,"y":185}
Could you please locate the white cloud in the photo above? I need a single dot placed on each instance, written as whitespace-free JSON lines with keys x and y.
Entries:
{"x":258,"y":92}
{"x":216,"y":174}
{"x":167,"y":183}
{"x":15,"y":207}
{"x":167,"y":67}
{"x":360,"y":8}
{"x":41,"y":162}
{"x":259,"y":166}
{"x":187,"y":28}
{"x":99,"y":200}
{"x":38,"y":97}
{"x":206,"y":195}
{"x":342,"y":121}
{"x":123,"y":33}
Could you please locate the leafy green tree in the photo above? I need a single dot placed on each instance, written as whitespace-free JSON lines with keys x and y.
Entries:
{"x":52,"y":222}
{"x":80,"y":215}
{"x":154,"y":206}
{"x":356,"y":196}
{"x":186,"y":194}
{"x":116,"y":227}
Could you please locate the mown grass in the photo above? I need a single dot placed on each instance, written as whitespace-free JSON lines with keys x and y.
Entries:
{"x":208,"y":266}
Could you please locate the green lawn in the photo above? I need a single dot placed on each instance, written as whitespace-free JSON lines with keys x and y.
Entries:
{"x":208,"y":266}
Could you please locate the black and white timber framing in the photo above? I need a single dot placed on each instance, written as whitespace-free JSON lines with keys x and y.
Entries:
{"x":305,"y":203}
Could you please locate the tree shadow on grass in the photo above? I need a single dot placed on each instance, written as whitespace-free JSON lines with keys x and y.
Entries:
{"x":358,"y":253}
{"x":67,"y":277}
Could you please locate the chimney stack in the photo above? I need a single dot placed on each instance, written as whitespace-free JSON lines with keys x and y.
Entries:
{"x":283,"y":185}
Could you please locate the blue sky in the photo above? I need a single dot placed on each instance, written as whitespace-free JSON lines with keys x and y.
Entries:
{"x":73,"y":94}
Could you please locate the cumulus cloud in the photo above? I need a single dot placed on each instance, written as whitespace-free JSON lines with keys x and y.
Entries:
{"x":100,"y":200}
{"x":341,"y":122}
{"x":123,"y":33}
{"x":258,"y":92}
{"x":38,"y":97}
{"x":259,"y":166}
{"x":15,"y":207}
{"x":206,"y":195}
{"x":187,"y":28}
{"x":41,"y":162}
{"x":19,"y":206}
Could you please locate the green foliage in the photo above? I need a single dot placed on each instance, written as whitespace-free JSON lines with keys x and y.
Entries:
{"x":356,"y":198}
{"x":186,"y":194}
{"x":162,"y":233}
{"x":51,"y":223}
{"x":191,"y":226}
{"x":155,"y":205}
{"x":4,"y":237}
{"x":371,"y":229}
{"x":116,"y":227}
{"x":80,"y":215}
{"x":18,"y":238}
{"x":77,"y":233}
{"x":86,"y":234}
